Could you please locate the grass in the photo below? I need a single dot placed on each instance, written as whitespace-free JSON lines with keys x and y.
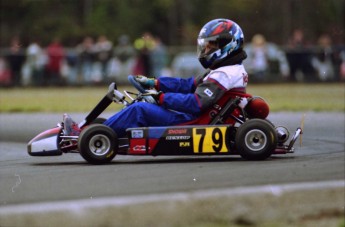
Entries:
{"x":302,"y":97}
{"x":281,"y":97}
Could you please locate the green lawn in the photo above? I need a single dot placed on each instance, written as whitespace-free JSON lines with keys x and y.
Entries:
{"x":281,"y":97}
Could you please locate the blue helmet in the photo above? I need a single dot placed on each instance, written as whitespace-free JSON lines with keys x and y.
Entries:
{"x":217,"y":40}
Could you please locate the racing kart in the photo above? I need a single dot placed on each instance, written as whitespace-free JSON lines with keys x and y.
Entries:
{"x":236,"y":125}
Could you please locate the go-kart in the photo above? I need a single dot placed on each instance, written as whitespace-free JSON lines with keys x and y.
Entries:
{"x":236,"y":125}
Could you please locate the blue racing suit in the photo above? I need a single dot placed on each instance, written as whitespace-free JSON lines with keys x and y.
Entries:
{"x":142,"y":114}
{"x":182,"y":100}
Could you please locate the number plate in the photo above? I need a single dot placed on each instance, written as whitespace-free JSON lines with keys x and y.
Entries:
{"x":209,"y":140}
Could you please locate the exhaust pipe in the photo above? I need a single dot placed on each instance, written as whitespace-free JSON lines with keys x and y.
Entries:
{"x":283,"y":134}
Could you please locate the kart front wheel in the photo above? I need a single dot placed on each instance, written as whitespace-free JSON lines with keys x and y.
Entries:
{"x":256,"y":139}
{"x":98,"y":144}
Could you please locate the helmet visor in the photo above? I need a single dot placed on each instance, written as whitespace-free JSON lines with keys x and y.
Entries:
{"x":206,"y":46}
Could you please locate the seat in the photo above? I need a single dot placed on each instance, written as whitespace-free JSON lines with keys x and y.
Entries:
{"x":209,"y":116}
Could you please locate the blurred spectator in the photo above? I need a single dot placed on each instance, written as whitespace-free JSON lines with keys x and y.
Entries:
{"x":264,"y":60}
{"x":71,"y":67}
{"x":15,"y":59}
{"x":324,"y":59}
{"x":299,"y":56}
{"x":86,"y":55}
{"x":124,"y":50}
{"x":55,"y":54}
{"x":103,"y":51}
{"x":158,"y":57}
{"x":186,"y":64}
{"x":124,"y":59}
{"x":5,"y":74}
{"x":33,"y":69}
{"x":143,"y":45}
{"x":342,"y":66}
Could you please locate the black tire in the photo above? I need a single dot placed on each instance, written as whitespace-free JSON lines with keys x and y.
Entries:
{"x":98,"y":144}
{"x":256,"y":139}
{"x":99,"y":120}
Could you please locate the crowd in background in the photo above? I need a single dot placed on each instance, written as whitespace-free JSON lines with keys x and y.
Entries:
{"x":90,"y":62}
{"x":298,"y":60}
{"x":99,"y":61}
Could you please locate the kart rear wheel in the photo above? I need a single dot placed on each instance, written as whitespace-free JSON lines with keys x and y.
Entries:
{"x":256,"y":139}
{"x":98,"y":144}
{"x":99,"y":120}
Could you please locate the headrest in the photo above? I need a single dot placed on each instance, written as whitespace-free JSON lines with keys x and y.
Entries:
{"x":257,"y":107}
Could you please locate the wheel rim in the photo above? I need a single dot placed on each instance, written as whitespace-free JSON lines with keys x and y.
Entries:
{"x":99,"y":145}
{"x":255,"y":140}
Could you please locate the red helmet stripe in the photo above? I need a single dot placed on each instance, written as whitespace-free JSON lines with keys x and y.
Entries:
{"x":224,"y":26}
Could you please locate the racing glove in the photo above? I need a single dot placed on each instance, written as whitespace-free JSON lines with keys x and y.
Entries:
{"x":153,"y":96}
{"x":146,"y":82}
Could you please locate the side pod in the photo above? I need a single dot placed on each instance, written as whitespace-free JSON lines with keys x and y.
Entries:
{"x":45,"y":143}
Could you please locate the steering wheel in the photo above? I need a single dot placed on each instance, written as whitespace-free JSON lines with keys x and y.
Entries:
{"x":137,"y":85}
{"x":142,"y":90}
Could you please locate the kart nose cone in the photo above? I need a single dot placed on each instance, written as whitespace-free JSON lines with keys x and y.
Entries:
{"x":45,"y":143}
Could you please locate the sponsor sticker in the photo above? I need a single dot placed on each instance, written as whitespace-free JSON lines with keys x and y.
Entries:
{"x":177,"y":131}
{"x":139,"y":148}
{"x":208,"y":92}
{"x":137,"y":133}
{"x":245,"y":78}
{"x":184,"y":144}
{"x":177,"y":137}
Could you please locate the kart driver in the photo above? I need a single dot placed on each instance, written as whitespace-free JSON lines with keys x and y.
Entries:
{"x":220,"y":51}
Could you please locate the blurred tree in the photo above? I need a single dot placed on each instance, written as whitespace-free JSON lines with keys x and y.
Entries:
{"x":177,"y":22}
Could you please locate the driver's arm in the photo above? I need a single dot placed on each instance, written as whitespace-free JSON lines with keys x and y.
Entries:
{"x":180,"y":85}
{"x":205,"y":95}
{"x":175,"y":85}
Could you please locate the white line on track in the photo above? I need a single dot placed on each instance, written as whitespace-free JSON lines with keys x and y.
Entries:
{"x":78,"y":206}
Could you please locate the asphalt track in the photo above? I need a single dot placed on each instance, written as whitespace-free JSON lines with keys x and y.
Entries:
{"x":25,"y":179}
